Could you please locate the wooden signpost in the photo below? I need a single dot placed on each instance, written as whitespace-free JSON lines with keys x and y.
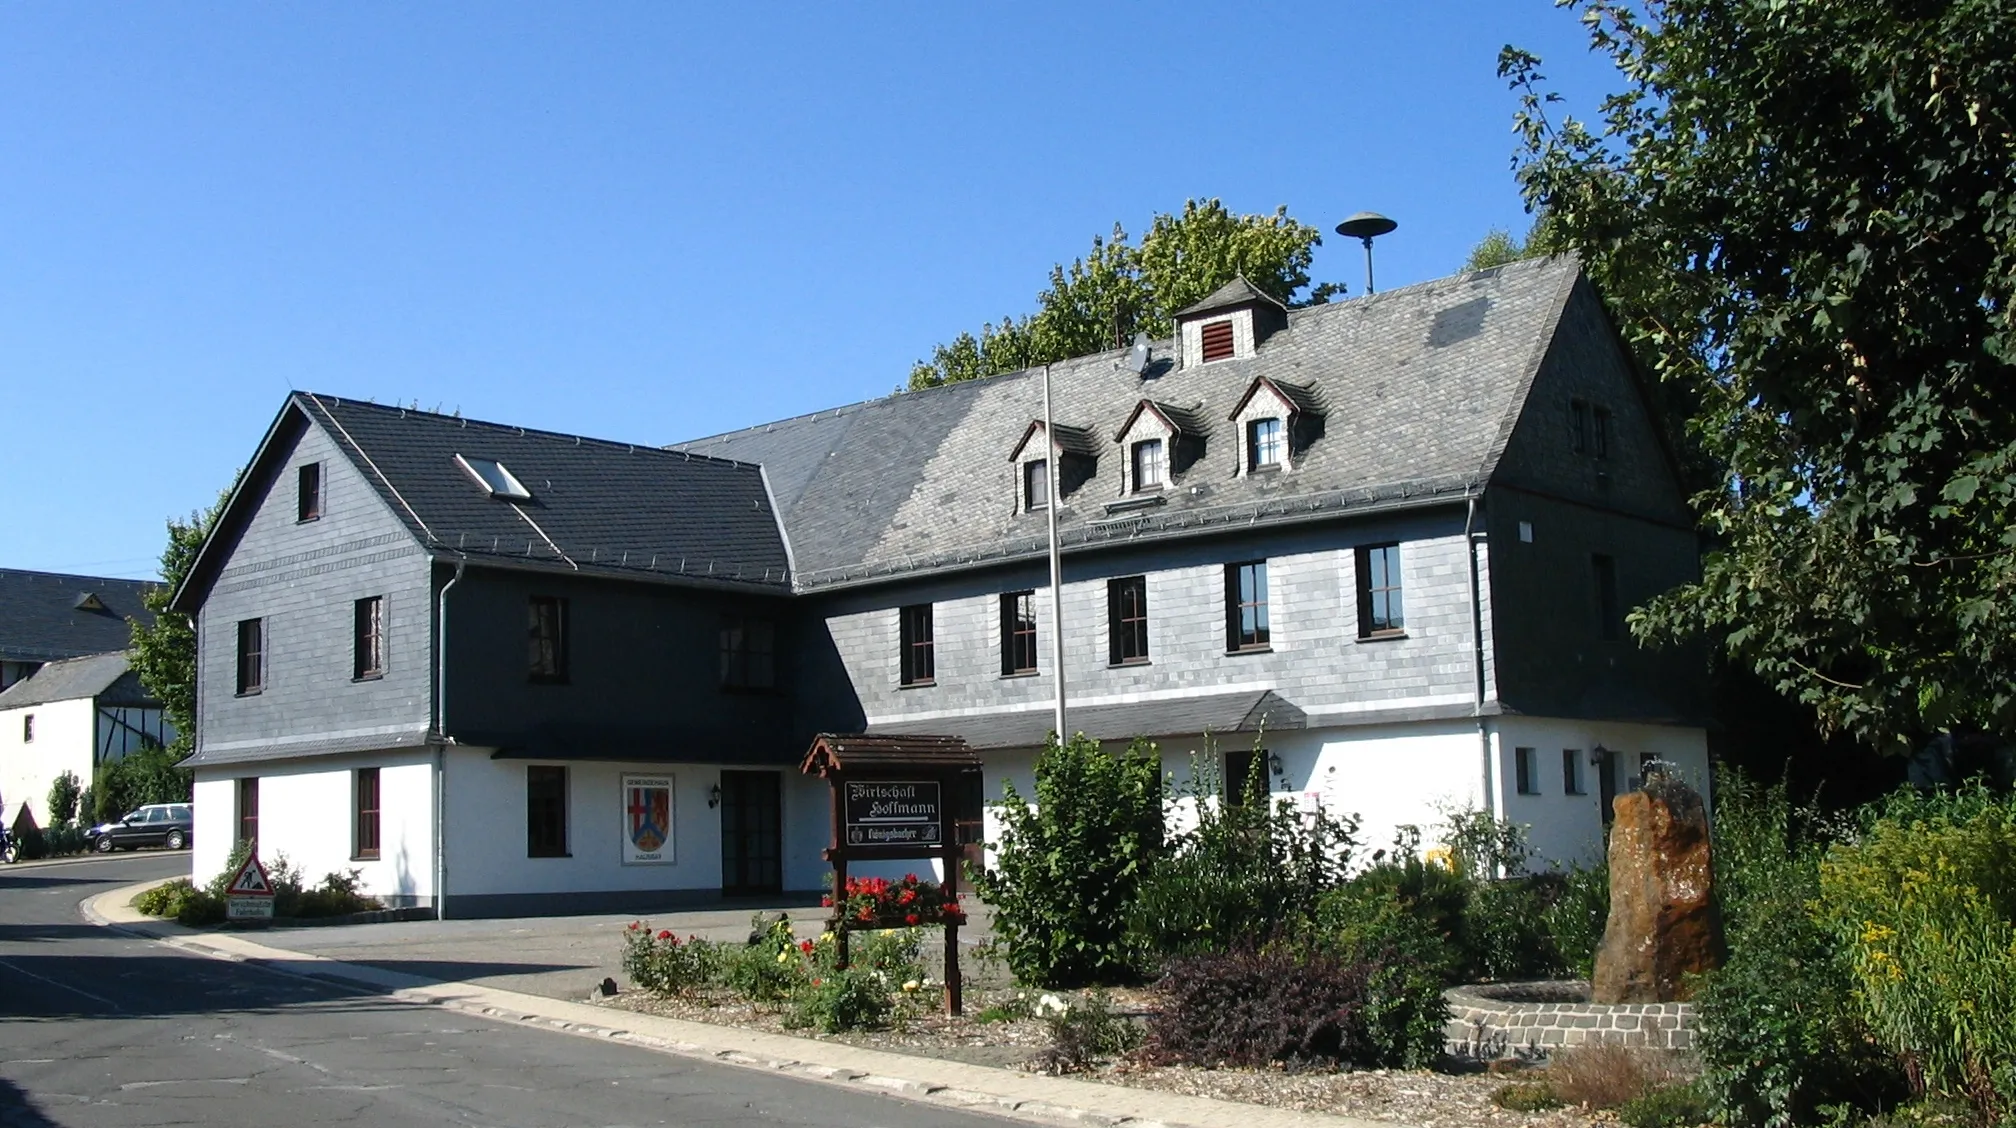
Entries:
{"x":892,"y":800}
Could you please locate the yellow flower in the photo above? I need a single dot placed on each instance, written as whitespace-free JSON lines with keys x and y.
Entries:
{"x":910,"y":985}
{"x":784,"y":957}
{"x":1441,"y":856}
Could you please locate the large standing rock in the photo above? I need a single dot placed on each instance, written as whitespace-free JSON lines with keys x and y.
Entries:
{"x":1663,"y":921}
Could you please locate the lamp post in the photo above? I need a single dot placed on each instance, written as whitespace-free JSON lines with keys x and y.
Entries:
{"x":1365,"y":227}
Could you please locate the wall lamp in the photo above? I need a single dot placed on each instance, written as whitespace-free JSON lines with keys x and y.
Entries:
{"x":714,"y":797}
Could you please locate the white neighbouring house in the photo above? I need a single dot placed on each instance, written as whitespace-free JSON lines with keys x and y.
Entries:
{"x":1390,"y":541}
{"x":76,"y":715}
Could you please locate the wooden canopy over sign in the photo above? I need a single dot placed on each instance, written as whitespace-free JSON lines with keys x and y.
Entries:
{"x":893,"y":798}
{"x":832,"y":753}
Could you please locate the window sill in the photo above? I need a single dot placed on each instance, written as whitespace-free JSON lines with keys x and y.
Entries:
{"x":537,"y":680}
{"x":363,"y":857}
{"x":1382,"y":636}
{"x":1022,"y":674}
{"x":1145,"y":499}
{"x":1266,"y":468}
{"x":250,"y":692}
{"x":307,"y":520}
{"x":1128,"y":663}
{"x":925,"y":684}
{"x":539,"y":856}
{"x":1236,"y":651}
{"x":379,"y":676}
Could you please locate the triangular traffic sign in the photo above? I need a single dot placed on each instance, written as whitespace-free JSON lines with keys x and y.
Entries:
{"x":250,"y":880}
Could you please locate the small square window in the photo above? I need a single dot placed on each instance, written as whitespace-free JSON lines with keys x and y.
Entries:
{"x":748,"y":652}
{"x":1245,"y":777}
{"x":1527,"y":770}
{"x":308,"y":492}
{"x":1609,"y":614}
{"x":1150,"y":468}
{"x":28,"y":728}
{"x":1036,"y":485}
{"x":1266,"y":444}
{"x":1571,"y":772}
{"x":1526,"y":532}
{"x":918,"y":659}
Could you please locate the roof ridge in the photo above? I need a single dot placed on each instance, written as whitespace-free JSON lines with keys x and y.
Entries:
{"x":5,"y":572}
{"x":523,"y":432}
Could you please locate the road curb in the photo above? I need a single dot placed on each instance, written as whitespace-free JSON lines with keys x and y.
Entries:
{"x":1033,"y":1098}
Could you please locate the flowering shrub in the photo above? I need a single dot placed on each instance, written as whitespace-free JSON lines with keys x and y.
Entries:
{"x":663,"y":964}
{"x":910,"y":903}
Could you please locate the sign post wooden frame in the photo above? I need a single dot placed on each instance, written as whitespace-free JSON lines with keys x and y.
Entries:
{"x":892,"y":799}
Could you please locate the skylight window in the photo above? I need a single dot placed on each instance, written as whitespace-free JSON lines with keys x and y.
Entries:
{"x":492,"y":476}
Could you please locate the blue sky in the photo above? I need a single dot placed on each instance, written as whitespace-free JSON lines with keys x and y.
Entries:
{"x":645,"y":222}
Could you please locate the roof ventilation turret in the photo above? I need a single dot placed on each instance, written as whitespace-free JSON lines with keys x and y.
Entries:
{"x":1231,"y":322}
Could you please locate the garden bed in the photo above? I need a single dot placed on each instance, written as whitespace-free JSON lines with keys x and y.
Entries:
{"x":1422,"y":1098}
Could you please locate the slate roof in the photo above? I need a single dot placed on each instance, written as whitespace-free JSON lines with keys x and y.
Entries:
{"x":597,"y":507}
{"x":106,"y":677}
{"x":1234,"y":293}
{"x":1420,"y":387}
{"x":41,"y":622}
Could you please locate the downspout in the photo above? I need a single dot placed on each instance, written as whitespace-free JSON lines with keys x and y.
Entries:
{"x":441,"y":743}
{"x":1470,"y":534}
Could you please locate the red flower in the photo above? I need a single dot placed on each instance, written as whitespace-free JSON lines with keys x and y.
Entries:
{"x":665,"y":934}
{"x":911,"y":878}
{"x":866,"y":914}
{"x":911,"y":919}
{"x":636,"y":925}
{"x":826,"y":902}
{"x":908,"y":896}
{"x":805,"y":946}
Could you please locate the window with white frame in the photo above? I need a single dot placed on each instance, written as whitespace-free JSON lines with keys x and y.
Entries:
{"x":1526,"y":767}
{"x":1036,"y":485}
{"x":1266,"y":444}
{"x":1151,"y":468}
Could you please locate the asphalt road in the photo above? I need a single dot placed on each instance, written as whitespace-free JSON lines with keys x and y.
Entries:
{"x":100,"y":1029}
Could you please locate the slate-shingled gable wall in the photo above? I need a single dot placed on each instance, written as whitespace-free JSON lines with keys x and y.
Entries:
{"x":302,"y":579}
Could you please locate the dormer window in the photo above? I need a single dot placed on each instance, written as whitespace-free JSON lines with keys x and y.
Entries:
{"x":1036,"y":485}
{"x":1266,"y":445}
{"x":1150,"y":465}
{"x":1217,"y":340}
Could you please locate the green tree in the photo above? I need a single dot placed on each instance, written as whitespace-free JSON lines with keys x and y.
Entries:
{"x":164,"y":651}
{"x":63,"y":795}
{"x":1118,"y":289}
{"x":1802,"y":216}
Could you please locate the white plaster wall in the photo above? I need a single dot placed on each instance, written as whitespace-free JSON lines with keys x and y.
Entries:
{"x":306,"y":810}
{"x":64,"y":736}
{"x":486,"y":829}
{"x":1568,"y":829}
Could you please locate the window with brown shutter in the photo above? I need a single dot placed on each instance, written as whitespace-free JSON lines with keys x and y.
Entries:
{"x":367,"y":638}
{"x":308,"y":492}
{"x":367,"y":813}
{"x":1217,"y":340}
{"x":1127,"y":620}
{"x":1018,"y":633}
{"x":251,"y":656}
{"x":918,"y":660}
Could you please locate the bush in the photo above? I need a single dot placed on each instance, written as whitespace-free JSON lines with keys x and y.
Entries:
{"x":1245,"y":871}
{"x":1252,"y":1006}
{"x":1504,"y":933}
{"x":1779,"y":1034}
{"x":1576,"y":919}
{"x":182,"y":900}
{"x":1608,"y":1076}
{"x":336,"y":895}
{"x":663,"y":964}
{"x":1527,"y":1096}
{"x":854,"y":999}
{"x":1068,"y":869}
{"x":1925,"y":907}
{"x":769,"y":967}
{"x":1082,"y":1034}
{"x":63,"y":795}
{"x":1407,"y":906}
{"x":1667,"y":1106}
{"x":52,"y":842}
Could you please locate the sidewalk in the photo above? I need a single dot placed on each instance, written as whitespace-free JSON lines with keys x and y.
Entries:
{"x":462,"y":968}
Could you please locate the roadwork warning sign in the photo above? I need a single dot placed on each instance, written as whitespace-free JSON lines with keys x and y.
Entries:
{"x":250,"y":894}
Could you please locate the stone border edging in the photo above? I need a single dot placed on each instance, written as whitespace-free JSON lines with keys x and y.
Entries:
{"x":1483,"y":1027}
{"x":1030,"y":1097}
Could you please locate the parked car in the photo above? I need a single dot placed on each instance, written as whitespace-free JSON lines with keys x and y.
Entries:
{"x":157,"y":824}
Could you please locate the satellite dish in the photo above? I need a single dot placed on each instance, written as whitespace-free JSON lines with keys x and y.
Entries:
{"x":1137,"y":357}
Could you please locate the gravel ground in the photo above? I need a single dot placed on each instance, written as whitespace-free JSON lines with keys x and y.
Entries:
{"x":1419,"y":1098}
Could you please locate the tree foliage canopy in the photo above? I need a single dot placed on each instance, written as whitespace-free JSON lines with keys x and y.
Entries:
{"x":1804,"y":216}
{"x":164,"y":652}
{"x":1118,"y":289}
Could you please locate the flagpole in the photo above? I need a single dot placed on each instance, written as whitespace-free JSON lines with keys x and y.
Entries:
{"x":1051,"y":472}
